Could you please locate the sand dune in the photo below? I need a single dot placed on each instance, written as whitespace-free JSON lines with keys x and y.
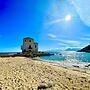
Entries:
{"x":20,"y":73}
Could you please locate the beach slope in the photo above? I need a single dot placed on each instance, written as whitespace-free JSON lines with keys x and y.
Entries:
{"x":20,"y":73}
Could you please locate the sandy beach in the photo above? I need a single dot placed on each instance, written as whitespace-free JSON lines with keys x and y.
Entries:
{"x":21,"y":73}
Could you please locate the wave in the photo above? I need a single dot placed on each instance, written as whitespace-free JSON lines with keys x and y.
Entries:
{"x":69,"y":59}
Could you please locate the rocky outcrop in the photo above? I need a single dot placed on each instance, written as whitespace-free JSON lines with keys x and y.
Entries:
{"x":85,"y":49}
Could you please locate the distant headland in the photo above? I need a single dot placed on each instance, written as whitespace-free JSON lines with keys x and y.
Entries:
{"x":85,"y":49}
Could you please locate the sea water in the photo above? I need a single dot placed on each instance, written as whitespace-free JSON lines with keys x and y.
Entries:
{"x":69,"y":58}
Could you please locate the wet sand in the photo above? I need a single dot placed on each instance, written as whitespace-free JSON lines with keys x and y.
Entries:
{"x":21,"y":73}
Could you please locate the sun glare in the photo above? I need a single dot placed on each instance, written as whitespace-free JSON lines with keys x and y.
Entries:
{"x":68,"y":18}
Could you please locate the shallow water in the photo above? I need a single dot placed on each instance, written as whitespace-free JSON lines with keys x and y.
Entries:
{"x":69,"y":58}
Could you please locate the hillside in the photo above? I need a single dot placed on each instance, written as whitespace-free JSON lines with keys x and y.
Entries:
{"x":85,"y":49}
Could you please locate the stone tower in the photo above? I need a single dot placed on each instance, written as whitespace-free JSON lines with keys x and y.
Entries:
{"x":29,"y":45}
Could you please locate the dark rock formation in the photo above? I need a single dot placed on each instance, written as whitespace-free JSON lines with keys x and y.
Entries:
{"x":85,"y":49}
{"x":87,"y":65}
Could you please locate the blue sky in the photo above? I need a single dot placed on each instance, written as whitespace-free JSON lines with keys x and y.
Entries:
{"x":44,"y":20}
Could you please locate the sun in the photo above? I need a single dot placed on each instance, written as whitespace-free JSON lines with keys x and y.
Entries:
{"x":68,"y":18}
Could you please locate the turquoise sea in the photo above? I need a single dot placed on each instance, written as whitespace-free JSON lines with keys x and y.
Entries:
{"x":69,"y":58}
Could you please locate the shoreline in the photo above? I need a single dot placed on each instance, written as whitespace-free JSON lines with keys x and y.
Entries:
{"x":66,"y":63}
{"x":21,"y":73}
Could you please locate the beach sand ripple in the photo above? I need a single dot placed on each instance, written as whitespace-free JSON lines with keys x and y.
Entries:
{"x":20,"y":73}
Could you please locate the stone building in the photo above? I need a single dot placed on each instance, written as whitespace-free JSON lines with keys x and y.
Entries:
{"x":29,"y":45}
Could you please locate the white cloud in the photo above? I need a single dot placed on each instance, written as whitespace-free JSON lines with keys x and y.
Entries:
{"x":56,"y":21}
{"x":51,"y":35}
{"x":72,"y":43}
{"x":62,"y":44}
{"x":85,"y":37}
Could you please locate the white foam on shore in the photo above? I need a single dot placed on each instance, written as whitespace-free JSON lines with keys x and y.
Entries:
{"x":72,"y":64}
{"x":67,"y":63}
